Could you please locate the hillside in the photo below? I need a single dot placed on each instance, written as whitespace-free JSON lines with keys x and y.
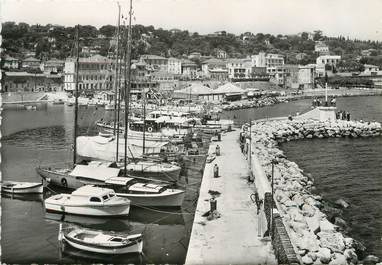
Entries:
{"x":49,"y":41}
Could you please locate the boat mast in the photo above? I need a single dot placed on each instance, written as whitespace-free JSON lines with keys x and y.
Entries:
{"x":144,"y":120}
{"x":127,"y":83}
{"x":76,"y":97}
{"x":116,"y":76}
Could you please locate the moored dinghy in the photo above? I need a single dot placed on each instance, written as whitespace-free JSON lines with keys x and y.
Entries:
{"x":89,"y":200}
{"x":101,"y":241}
{"x":22,"y":187}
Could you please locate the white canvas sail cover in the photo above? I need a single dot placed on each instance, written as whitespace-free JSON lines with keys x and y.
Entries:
{"x":103,"y":148}
{"x":94,"y":173}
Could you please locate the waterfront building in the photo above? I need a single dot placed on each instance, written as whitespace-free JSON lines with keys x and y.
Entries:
{"x":306,"y":76}
{"x":285,"y":76}
{"x":229,"y":92}
{"x":174,"y":66}
{"x":53,"y":66}
{"x":198,"y":92}
{"x":167,"y":81}
{"x":155,"y":61}
{"x":31,"y":82}
{"x":31,"y":63}
{"x":8,"y":62}
{"x":321,"y":48}
{"x":95,"y":74}
{"x":189,"y":69}
{"x":270,"y":61}
{"x":215,"y":69}
{"x":239,"y":68}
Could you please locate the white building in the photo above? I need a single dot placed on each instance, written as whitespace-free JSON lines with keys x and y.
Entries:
{"x":174,"y":66}
{"x":328,"y":59}
{"x":323,"y":60}
{"x":321,"y":48}
{"x":270,"y":61}
{"x":306,"y":75}
{"x":239,"y":68}
{"x":94,"y":73}
{"x":370,"y":68}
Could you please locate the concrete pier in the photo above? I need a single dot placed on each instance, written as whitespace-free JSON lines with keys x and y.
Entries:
{"x":232,"y":238}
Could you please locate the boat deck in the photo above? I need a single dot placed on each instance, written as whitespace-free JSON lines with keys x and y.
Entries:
{"x":232,"y":238}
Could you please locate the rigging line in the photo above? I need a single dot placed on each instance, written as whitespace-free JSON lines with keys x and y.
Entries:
{"x":160,"y":211}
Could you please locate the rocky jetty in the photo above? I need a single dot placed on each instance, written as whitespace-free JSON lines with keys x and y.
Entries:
{"x":315,"y":238}
{"x":256,"y":103}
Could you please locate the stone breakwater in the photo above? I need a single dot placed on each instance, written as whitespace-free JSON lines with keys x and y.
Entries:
{"x":315,"y":239}
{"x":256,"y":103}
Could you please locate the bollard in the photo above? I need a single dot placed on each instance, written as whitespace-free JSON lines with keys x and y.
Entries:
{"x":217,"y":151}
{"x":213,"y":204}
{"x":219,"y":137}
{"x":216,"y":171}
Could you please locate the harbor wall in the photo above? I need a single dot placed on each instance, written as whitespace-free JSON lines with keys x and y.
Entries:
{"x":299,"y":219}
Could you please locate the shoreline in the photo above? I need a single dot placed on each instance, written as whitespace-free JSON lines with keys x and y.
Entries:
{"x":311,"y":233}
{"x":269,"y":101}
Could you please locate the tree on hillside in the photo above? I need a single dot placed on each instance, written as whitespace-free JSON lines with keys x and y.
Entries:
{"x":108,"y":30}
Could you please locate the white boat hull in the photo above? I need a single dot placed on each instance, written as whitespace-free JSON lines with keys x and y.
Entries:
{"x":135,"y":248}
{"x":155,"y":200}
{"x":36,"y":188}
{"x":119,"y":210}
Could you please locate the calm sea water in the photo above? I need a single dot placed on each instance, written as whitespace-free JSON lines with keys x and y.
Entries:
{"x":30,"y":236}
{"x":345,"y":168}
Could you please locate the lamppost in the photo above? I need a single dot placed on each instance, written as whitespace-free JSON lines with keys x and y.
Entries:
{"x":273,"y":162}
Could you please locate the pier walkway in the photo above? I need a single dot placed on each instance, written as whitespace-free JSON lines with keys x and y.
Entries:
{"x":232,"y":238}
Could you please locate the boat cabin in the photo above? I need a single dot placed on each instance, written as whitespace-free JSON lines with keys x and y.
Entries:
{"x":95,"y":194}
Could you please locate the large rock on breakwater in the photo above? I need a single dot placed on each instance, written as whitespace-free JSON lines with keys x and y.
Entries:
{"x":310,"y":231}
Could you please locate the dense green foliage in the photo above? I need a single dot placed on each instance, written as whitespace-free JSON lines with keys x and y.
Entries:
{"x":57,"y":41}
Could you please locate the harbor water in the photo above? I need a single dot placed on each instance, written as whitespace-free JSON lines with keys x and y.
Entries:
{"x":29,"y":235}
{"x":342,"y":168}
{"x":45,"y":136}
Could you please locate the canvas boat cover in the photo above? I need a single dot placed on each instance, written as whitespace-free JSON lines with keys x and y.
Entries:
{"x":103,"y":148}
{"x":94,"y":173}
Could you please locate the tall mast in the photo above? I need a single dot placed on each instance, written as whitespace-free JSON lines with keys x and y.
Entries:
{"x":76,"y":97}
{"x":127,"y":83}
{"x":116,"y":75}
{"x":144,"y":119}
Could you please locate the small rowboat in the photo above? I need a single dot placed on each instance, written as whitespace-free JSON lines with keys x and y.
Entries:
{"x":22,"y":187}
{"x":101,"y":241}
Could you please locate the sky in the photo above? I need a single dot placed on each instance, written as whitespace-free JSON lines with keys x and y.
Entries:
{"x":353,"y":18}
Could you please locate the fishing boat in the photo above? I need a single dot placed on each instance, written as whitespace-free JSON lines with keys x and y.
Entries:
{"x":89,"y":200}
{"x":101,"y":241}
{"x":22,"y":187}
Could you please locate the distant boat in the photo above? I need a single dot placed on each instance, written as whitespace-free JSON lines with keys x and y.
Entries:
{"x":89,"y":200}
{"x":21,"y":187}
{"x":58,"y":102}
{"x":101,"y":241}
